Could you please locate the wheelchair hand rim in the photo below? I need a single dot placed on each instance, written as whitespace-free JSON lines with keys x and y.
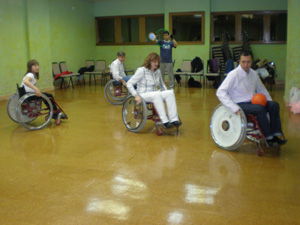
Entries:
{"x":228,"y":130}
{"x":125,"y":113}
{"x":27,"y":124}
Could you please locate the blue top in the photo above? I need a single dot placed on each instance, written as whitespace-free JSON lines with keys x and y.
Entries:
{"x":166,"y":50}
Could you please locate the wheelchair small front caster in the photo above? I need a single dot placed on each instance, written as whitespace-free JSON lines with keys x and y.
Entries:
{"x":159,"y":130}
{"x":58,"y":119}
{"x":259,"y":149}
{"x":57,"y":122}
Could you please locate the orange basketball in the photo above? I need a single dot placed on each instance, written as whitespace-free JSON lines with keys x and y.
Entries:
{"x":259,"y":99}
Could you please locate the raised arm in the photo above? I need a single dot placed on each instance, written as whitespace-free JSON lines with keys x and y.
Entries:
{"x":175,"y":42}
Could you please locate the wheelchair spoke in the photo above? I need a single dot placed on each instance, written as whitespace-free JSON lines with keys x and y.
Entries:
{"x":34,"y":113}
{"x":134,"y":115}
{"x":115,"y":93}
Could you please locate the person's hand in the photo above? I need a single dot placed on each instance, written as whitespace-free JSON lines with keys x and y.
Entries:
{"x":138,"y":99}
{"x":38,"y":93}
{"x":239,"y":113}
{"x":124,"y":83}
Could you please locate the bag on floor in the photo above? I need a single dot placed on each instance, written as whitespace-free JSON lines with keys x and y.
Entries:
{"x":178,"y":77}
{"x":217,"y":82}
{"x":193,"y":83}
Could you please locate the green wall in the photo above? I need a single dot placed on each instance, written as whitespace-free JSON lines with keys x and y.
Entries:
{"x":275,"y":53}
{"x":13,"y":44}
{"x":38,"y":38}
{"x":128,"y":7}
{"x":72,"y":32}
{"x":293,"y":48}
{"x":46,"y":30}
{"x":246,"y":5}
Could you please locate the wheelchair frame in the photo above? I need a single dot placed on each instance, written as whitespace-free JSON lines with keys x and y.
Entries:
{"x":26,"y":109}
{"x":115,"y":92}
{"x":141,"y":113}
{"x":253,"y":132}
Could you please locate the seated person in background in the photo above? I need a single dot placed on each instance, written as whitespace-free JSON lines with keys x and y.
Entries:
{"x":147,"y":78}
{"x":29,"y":82}
{"x":117,"y":69}
{"x":238,"y":89}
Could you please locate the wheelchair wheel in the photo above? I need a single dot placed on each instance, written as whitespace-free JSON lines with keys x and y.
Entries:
{"x":11,"y":107}
{"x":115,"y":93}
{"x":134,"y":115}
{"x":34,"y":113}
{"x":227,"y":129}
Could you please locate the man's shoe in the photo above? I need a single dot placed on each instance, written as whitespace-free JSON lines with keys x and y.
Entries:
{"x":63,"y":116}
{"x":168,"y":125}
{"x":272,"y":143}
{"x":280,"y":141}
{"x":177,"y":123}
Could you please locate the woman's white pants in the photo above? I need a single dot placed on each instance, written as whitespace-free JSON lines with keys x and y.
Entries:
{"x":158,"y":98}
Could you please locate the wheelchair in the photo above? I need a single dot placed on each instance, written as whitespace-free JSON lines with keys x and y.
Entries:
{"x":115,"y":92}
{"x":229,"y":130}
{"x":32,"y":112}
{"x":135,"y":115}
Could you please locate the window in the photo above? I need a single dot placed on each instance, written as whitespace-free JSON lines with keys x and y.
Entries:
{"x":188,"y":27}
{"x":261,"y":27}
{"x":277,"y":26}
{"x":127,"y":30}
{"x":106,"y":31}
{"x":253,"y":24}
{"x":224,"y":23}
{"x":153,"y":24}
{"x":130,"y":29}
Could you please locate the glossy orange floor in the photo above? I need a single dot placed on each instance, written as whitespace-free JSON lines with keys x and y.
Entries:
{"x":91,"y":170}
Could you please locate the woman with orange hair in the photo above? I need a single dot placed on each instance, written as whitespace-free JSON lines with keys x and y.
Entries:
{"x":151,"y":88}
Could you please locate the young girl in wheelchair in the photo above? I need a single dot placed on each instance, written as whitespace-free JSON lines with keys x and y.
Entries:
{"x":147,"y":78}
{"x":29,"y":83}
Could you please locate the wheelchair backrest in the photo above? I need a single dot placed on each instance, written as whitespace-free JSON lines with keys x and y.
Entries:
{"x":21,"y":90}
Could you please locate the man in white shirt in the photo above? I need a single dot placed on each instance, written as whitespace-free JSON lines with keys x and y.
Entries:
{"x":237,"y":91}
{"x":117,"y":69}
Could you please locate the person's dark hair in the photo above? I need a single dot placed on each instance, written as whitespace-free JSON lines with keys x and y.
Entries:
{"x":120,"y":53}
{"x":246,"y":53}
{"x":151,"y":57}
{"x":166,"y":32}
{"x":31,"y":63}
